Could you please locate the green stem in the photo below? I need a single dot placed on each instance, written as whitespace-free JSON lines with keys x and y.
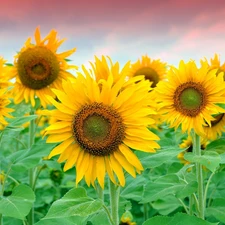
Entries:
{"x":108,"y":214}
{"x":145,"y":211}
{"x":199,"y":174}
{"x":207,"y":187}
{"x":190,"y":205}
{"x":31,"y":171}
{"x":100,"y":192}
{"x":114,"y":191}
{"x":184,"y":206}
{"x":1,"y":219}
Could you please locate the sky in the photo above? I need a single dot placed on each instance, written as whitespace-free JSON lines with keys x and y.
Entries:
{"x":170,"y":30}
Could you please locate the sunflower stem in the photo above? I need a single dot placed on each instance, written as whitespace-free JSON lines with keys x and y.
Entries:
{"x":145,"y":211}
{"x":114,"y":191}
{"x":100,"y":192}
{"x":31,"y":171}
{"x":199,"y":174}
{"x":1,"y":219}
{"x":190,"y":205}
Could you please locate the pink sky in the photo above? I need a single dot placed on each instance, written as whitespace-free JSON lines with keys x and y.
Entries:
{"x":123,"y":29}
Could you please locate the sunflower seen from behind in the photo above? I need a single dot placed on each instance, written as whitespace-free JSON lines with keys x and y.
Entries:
{"x":187,"y":144}
{"x":190,"y":96}
{"x":99,"y":125}
{"x":38,"y":67}
{"x":153,"y":69}
{"x":102,"y":68}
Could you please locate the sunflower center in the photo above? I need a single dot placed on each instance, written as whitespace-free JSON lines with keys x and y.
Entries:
{"x":149,"y":74}
{"x":98,"y":129}
{"x":38,"y":67}
{"x":190,"y":98}
{"x":217,"y":118}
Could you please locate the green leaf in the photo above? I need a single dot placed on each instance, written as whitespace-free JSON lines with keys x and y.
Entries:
{"x":209,"y":159}
{"x":19,"y":121}
{"x":26,"y":159}
{"x":74,"y":203}
{"x":19,"y":203}
{"x":217,"y":209}
{"x":178,"y":219}
{"x":134,"y":188}
{"x":161,"y":187}
{"x":217,"y":145}
{"x":187,"y":190}
{"x":74,"y":220}
{"x":166,"y":205}
{"x":161,"y":156}
{"x":158,"y":220}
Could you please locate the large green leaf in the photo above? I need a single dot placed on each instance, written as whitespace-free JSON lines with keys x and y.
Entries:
{"x":217,"y":209}
{"x":161,"y":187}
{"x":134,"y":188}
{"x":74,"y":203}
{"x":209,"y":159}
{"x":166,"y":205}
{"x":178,"y":219}
{"x":19,"y":121}
{"x":163,"y":155}
{"x":217,"y":145}
{"x":27,"y":159}
{"x":19,"y":203}
{"x":73,"y":220}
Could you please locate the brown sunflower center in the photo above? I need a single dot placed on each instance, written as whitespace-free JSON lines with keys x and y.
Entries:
{"x":98,"y":128}
{"x":190,"y":98}
{"x":217,"y":118}
{"x":37,"y":67}
{"x":149,"y":74}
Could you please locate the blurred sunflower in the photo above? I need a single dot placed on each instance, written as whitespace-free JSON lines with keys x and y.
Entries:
{"x":4,"y":111}
{"x":126,"y":219}
{"x":216,"y":129}
{"x":99,"y":126}
{"x":218,"y":124}
{"x":188,"y":144}
{"x":101,"y":69}
{"x":215,"y":64}
{"x":4,"y":73}
{"x":37,"y":68}
{"x":190,"y":95}
{"x":153,"y":70}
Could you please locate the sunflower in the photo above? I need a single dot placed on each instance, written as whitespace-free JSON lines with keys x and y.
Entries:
{"x":215,"y":64}
{"x":100,"y":126}
{"x":153,"y":69}
{"x":37,"y":68}
{"x":218,"y":125}
{"x":101,"y":69}
{"x":190,"y":95}
{"x":126,"y":219}
{"x":4,"y":73}
{"x":188,"y":144}
{"x":4,"y":111}
{"x":216,"y":129}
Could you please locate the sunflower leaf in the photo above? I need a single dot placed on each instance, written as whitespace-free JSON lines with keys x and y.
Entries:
{"x":19,"y":203}
{"x":217,"y":209}
{"x":74,"y":203}
{"x":161,"y":187}
{"x":178,"y":219}
{"x":209,"y":159}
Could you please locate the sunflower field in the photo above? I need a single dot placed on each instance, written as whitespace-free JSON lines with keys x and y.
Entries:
{"x":141,"y":144}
